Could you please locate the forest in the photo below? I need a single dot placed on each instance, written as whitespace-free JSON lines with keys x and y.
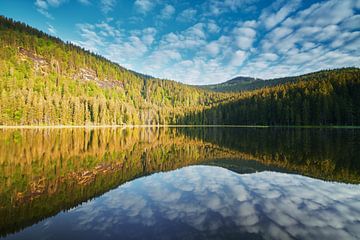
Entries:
{"x":45,"y":81}
{"x":329,"y":97}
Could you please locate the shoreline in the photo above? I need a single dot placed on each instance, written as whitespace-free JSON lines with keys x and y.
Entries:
{"x":164,"y":126}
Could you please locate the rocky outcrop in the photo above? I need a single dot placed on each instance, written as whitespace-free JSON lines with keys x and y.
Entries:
{"x":87,"y":74}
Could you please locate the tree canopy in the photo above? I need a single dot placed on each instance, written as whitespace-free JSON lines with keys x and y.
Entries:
{"x":45,"y":81}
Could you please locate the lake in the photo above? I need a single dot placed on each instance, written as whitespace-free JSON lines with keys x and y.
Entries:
{"x":180,"y":183}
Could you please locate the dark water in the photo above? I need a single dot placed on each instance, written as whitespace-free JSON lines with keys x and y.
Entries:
{"x":180,"y":183}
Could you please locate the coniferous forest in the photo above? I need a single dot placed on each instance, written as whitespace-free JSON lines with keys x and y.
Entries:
{"x":324,"y":98}
{"x":44,"y":81}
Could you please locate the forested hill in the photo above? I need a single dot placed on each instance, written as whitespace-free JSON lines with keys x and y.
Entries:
{"x":234,"y":85}
{"x":44,"y":81}
{"x":248,"y":83}
{"x":330,"y":97}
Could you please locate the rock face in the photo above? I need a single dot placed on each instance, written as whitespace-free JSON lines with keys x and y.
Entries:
{"x":43,"y":67}
{"x":40,"y":63}
{"x":87,"y":74}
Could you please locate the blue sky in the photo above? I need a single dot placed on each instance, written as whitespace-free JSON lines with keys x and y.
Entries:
{"x":203,"y":42}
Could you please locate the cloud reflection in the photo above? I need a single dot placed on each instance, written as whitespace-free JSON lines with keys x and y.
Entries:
{"x":212,"y":202}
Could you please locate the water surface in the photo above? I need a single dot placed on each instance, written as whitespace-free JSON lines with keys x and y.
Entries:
{"x":180,"y":183}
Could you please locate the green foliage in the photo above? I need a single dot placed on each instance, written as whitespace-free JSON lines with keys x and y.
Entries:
{"x":239,"y":84}
{"x":325,"y":98}
{"x":235,"y":85}
{"x":45,"y":81}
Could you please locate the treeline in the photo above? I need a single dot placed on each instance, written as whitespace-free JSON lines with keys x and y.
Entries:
{"x":236,"y":85}
{"x":47,"y":81}
{"x":326,"y":98}
{"x":240,"y":84}
{"x":44,"y":81}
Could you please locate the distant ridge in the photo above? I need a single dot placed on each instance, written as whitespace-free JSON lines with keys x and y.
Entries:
{"x":239,"y":84}
{"x":233,"y":85}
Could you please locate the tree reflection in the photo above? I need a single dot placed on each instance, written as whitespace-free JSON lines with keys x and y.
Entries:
{"x":45,"y":171}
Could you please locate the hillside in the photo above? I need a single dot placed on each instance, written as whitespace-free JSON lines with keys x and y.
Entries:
{"x":44,"y":81}
{"x":330,"y":97}
{"x":47,"y":81}
{"x":239,"y":84}
{"x":234,"y":85}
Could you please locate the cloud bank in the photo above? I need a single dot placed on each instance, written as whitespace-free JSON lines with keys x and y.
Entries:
{"x":211,"y":41}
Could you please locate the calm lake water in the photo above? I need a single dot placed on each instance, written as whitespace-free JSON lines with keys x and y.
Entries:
{"x":180,"y":183}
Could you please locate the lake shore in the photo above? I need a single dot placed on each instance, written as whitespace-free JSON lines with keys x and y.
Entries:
{"x":162,"y":126}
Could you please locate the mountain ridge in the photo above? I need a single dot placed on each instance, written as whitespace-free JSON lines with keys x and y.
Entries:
{"x":246,"y":83}
{"x":45,"y":81}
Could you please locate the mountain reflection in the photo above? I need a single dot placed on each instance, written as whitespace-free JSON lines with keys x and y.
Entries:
{"x":46,"y":171}
{"x":201,"y":202}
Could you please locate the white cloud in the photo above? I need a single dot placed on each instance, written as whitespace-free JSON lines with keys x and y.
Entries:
{"x":269,"y":56}
{"x":327,"y":33}
{"x":213,"y":27}
{"x":167,"y":12}
{"x":55,"y":3}
{"x":134,"y":47}
{"x":157,"y":60}
{"x":106,"y":30}
{"x":187,"y":15}
{"x":144,"y":6}
{"x":128,"y":48}
{"x":351,"y":23}
{"x":244,"y":37}
{"x":107,"y":5}
{"x":282,"y":41}
{"x":91,"y":40}
{"x":51,"y":29}
{"x":220,"y":49}
{"x":189,"y":39}
{"x":85,"y":2}
{"x":303,"y":39}
{"x":43,"y":6}
{"x":322,"y":14}
{"x":272,"y":16}
{"x":218,"y":7}
{"x":250,"y":23}
{"x":238,"y":58}
{"x":353,"y":46}
{"x":45,"y":13}
{"x":213,"y":48}
{"x":194,"y":68}
{"x":148,"y":35}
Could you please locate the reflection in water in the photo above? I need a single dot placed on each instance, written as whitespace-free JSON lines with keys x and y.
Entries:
{"x":331,"y":154}
{"x":210,"y":202}
{"x":43,"y":172}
